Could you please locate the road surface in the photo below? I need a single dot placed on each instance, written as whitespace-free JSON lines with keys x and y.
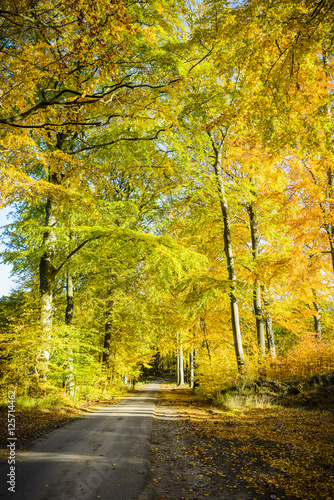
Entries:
{"x":103,"y":455}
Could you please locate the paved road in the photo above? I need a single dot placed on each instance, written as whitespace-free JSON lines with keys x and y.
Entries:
{"x":103,"y":455}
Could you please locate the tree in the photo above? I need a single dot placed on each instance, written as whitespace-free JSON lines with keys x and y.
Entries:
{"x":218,"y":151}
{"x":92,"y":67}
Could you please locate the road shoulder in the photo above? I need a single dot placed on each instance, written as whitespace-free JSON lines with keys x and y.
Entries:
{"x":276,"y":453}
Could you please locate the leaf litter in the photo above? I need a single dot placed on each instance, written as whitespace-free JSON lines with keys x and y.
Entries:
{"x":269,"y":452}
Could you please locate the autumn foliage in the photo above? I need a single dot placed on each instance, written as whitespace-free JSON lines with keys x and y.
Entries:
{"x":170,"y":174}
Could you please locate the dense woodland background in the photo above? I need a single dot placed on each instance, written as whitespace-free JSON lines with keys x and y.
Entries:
{"x":170,"y":171}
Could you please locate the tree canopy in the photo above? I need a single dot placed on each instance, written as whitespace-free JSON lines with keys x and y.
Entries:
{"x":170,"y":170}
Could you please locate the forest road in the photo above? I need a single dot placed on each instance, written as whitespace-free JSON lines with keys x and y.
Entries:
{"x":103,"y":455}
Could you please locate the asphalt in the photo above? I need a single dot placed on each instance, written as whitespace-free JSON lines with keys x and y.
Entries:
{"x":103,"y":455}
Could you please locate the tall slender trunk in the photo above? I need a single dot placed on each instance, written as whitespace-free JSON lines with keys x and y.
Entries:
{"x":316,"y":316}
{"x":328,"y":207}
{"x":180,"y":363}
{"x":206,"y":342}
{"x":47,"y":272}
{"x":329,"y":226}
{"x":237,"y":338}
{"x":47,"y":275}
{"x":259,"y":317}
{"x":107,"y":330}
{"x":69,"y":379}
{"x":192,"y":370}
{"x":113,"y":366}
{"x":256,"y":286}
{"x":177,"y":366}
{"x":269,"y":325}
{"x":69,"y":299}
{"x":317,"y":321}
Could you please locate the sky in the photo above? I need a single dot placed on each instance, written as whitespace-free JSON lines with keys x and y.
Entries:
{"x":6,"y":282}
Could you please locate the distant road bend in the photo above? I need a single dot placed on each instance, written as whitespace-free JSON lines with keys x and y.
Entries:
{"x":103,"y":455}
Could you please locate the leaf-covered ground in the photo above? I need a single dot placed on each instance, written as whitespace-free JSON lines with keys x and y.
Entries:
{"x":269,"y":452}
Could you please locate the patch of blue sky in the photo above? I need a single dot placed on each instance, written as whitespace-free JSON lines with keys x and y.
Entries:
{"x":7,"y":282}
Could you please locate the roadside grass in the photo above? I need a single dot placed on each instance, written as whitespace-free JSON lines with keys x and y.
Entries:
{"x":250,"y":401}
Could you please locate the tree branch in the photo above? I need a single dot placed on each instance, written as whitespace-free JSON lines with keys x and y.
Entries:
{"x":56,"y":271}
{"x":111,"y":143}
{"x":89,"y":99}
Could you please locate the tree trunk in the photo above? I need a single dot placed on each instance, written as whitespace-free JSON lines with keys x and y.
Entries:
{"x":329,"y":226}
{"x":237,"y":338}
{"x":269,"y":327}
{"x":317,"y":321}
{"x":257,"y":286}
{"x":206,"y":342}
{"x":316,"y":316}
{"x":179,"y":364}
{"x":328,"y":207}
{"x":107,"y":331}
{"x":259,"y":317}
{"x":70,"y":300}
{"x":47,"y":276}
{"x":47,"y":272}
{"x":69,"y":379}
{"x":331,"y":246}
{"x":192,"y":371}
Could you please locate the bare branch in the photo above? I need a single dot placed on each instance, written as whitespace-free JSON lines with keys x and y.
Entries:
{"x":126,"y":139}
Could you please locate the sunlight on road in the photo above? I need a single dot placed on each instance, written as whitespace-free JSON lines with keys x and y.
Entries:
{"x":72,"y":457}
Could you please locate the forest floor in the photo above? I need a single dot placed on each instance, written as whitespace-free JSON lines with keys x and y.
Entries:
{"x":265,"y":452}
